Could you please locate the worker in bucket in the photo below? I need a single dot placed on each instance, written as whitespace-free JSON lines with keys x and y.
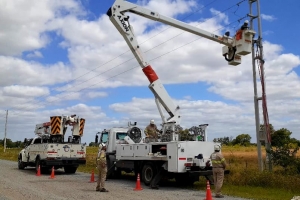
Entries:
{"x":151,"y":132}
{"x":102,"y":168}
{"x":218,"y":165}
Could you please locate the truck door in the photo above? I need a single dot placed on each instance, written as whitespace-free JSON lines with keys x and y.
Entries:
{"x":35,"y":148}
{"x":172,"y":154}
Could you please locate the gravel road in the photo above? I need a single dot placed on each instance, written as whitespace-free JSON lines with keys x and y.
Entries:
{"x":24,"y":184}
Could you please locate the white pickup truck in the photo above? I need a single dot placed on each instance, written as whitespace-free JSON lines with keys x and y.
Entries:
{"x":38,"y":152}
{"x":49,"y":149}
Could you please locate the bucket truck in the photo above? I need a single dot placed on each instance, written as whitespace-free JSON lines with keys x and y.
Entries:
{"x":184,"y":160}
{"x":48,"y":149}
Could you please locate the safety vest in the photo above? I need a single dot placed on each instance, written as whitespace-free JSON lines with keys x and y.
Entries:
{"x":217,"y":160}
{"x":101,"y":156}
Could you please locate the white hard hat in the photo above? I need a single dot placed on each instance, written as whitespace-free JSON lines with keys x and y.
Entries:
{"x":152,"y":121}
{"x":217,"y":147}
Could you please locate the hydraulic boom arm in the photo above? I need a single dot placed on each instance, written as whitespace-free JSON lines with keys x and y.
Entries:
{"x":232,"y":51}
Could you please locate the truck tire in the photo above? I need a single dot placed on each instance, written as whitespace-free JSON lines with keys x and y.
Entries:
{"x":44,"y":170}
{"x":21,"y":164}
{"x":37,"y":164}
{"x":148,"y":173}
{"x":112,"y":173}
{"x":70,"y":169}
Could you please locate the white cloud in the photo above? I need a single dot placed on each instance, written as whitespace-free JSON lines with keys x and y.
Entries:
{"x":96,"y":94}
{"x":35,"y":54}
{"x":24,"y":91}
{"x":23,"y":28}
{"x":17,"y":71}
{"x":175,"y":7}
{"x":268,"y":17}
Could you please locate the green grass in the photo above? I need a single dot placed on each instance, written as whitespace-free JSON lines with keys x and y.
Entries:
{"x":258,"y":193}
{"x":243,"y":181}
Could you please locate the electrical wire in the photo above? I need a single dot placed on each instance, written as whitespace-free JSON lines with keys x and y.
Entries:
{"x":34,"y":100}
{"x":133,"y":57}
{"x":137,"y":66}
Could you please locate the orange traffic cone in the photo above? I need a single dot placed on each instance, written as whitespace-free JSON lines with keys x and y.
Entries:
{"x":138,"y":183}
{"x":92,"y":177}
{"x":52,"y":173}
{"x":39,"y":171}
{"x":208,"y":192}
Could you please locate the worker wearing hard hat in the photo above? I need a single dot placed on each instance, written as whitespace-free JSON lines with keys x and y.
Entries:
{"x":102,"y":168}
{"x":218,"y":165}
{"x":151,"y":132}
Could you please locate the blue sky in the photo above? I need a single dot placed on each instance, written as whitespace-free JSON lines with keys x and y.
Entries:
{"x":64,"y":58}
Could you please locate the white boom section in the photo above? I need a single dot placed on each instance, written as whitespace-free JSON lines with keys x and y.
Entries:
{"x":234,"y":47}
{"x":121,"y":6}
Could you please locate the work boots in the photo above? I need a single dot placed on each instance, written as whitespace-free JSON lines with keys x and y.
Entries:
{"x":103,"y":190}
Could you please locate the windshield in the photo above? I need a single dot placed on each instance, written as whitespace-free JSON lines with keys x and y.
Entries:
{"x":104,"y":137}
{"x":121,"y":135}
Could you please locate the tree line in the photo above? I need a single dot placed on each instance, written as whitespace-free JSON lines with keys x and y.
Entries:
{"x":11,"y":144}
{"x":283,"y":151}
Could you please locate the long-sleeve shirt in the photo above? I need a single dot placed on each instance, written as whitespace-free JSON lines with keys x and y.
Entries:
{"x":218,"y":160}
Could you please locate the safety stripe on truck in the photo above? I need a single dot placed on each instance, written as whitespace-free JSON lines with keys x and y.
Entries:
{"x":55,"y":125}
{"x":82,"y":121}
{"x":150,"y":73}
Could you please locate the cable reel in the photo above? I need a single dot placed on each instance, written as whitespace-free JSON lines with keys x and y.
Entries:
{"x":135,"y":134}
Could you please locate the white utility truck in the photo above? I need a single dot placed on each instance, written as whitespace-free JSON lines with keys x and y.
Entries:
{"x":126,"y":150}
{"x":185,"y":160}
{"x":48,"y":149}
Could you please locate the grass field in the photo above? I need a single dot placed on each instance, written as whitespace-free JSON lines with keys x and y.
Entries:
{"x":244,"y":179}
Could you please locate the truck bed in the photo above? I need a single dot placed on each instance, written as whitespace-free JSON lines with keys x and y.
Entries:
{"x":176,"y":153}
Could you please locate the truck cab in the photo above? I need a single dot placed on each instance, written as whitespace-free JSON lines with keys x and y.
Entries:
{"x":112,"y":137}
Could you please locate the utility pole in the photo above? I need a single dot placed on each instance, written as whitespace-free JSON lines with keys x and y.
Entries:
{"x":5,"y":131}
{"x":261,"y":134}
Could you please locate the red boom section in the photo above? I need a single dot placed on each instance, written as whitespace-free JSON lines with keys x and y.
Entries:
{"x":150,"y":73}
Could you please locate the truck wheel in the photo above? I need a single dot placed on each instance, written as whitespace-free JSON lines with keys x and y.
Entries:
{"x":70,"y":170}
{"x":20,"y":163}
{"x":112,"y":173}
{"x":148,"y":173}
{"x":37,"y":164}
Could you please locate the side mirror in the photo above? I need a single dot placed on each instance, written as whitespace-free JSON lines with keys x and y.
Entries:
{"x":96,"y":139}
{"x":25,"y":141}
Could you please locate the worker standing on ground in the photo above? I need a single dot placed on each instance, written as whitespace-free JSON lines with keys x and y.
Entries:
{"x":102,"y":169}
{"x":219,"y":165}
{"x":151,"y":131}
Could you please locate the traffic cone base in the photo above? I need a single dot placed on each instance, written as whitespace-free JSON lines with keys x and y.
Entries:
{"x":92,"y":177}
{"x":39,"y":171}
{"x":138,"y":183}
{"x":52,"y":174}
{"x":208,"y":192}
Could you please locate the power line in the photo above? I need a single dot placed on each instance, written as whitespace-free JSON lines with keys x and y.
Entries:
{"x":237,"y":4}
{"x":32,"y":101}
{"x":139,"y":66}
